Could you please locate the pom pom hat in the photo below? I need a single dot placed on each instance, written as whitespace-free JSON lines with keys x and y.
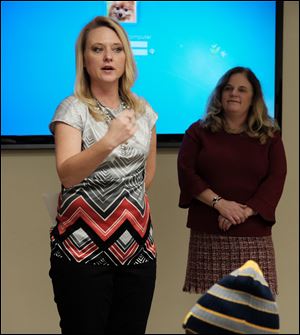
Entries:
{"x":240,"y":302}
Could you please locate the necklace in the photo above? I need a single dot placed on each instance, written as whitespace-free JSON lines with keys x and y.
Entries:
{"x":110,"y":114}
{"x":238,"y":130}
{"x":235,"y":131}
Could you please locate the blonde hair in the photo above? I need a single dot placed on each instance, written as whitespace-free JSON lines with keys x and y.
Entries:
{"x":82,"y":83}
{"x":259,"y":124}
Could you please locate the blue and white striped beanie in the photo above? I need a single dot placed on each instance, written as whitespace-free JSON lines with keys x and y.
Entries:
{"x":240,"y":302}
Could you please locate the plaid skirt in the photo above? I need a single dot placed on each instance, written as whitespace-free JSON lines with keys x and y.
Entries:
{"x":211,"y":257}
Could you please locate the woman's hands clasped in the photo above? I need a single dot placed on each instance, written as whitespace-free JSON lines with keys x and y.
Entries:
{"x":232,"y":213}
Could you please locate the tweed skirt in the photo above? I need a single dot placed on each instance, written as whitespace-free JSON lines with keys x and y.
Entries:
{"x":211,"y":257}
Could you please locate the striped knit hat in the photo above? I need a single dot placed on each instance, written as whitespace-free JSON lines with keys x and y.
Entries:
{"x":240,"y":302}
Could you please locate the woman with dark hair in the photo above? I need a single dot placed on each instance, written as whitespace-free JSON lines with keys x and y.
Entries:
{"x":231,"y":170}
{"x":103,"y":257}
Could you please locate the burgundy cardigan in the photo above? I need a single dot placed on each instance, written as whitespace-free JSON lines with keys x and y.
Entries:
{"x":236,"y":167}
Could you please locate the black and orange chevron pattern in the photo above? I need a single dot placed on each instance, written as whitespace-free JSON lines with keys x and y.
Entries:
{"x":105,"y":219}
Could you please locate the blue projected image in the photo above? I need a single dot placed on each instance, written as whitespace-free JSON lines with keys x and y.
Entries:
{"x":181,"y":49}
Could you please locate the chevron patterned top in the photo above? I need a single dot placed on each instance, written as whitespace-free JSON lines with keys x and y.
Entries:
{"x":105,"y":219}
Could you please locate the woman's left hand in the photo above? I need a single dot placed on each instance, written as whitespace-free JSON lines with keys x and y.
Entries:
{"x":224,"y":224}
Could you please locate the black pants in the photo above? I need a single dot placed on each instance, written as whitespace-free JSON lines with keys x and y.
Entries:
{"x":102,"y":300}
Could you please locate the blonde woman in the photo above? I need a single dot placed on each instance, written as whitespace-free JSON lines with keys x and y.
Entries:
{"x":103,"y":257}
{"x":231,"y":169}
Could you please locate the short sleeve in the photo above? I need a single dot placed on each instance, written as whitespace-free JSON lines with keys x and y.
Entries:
{"x":151,"y":116}
{"x":70,"y":111}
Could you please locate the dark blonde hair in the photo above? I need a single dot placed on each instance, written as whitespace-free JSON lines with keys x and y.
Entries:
{"x":82,"y":84}
{"x":259,"y":124}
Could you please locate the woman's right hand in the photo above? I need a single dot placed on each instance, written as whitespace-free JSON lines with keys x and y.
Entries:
{"x":122,"y":127}
{"x":74,"y":164}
